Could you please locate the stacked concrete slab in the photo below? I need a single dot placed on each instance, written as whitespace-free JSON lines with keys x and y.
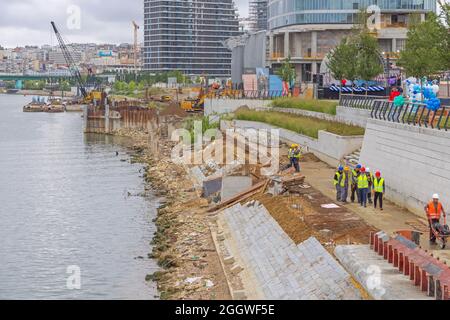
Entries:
{"x":396,"y":268}
{"x":380,"y":278}
{"x":284,"y":270}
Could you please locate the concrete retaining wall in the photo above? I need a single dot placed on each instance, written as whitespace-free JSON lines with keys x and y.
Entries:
{"x":351,"y":116}
{"x":415,"y":162}
{"x":354,"y":116}
{"x":222,"y":106}
{"x":329,"y":147}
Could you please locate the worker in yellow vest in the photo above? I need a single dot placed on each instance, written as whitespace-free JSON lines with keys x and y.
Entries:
{"x":379,"y":188}
{"x":337,"y":182}
{"x":294,"y":157}
{"x":363,"y":187}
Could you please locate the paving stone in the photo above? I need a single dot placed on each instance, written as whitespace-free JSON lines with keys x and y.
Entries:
{"x":284,"y":270}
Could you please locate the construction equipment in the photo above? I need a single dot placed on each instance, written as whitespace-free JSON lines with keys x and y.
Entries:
{"x":194,"y":104}
{"x":88,"y":97}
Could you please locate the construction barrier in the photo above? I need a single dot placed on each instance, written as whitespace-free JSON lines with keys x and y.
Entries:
{"x":431,"y":275}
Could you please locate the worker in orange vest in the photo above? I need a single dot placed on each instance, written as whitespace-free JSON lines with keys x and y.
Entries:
{"x":434,"y":210}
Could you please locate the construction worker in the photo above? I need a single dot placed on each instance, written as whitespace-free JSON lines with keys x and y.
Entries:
{"x":379,"y":188}
{"x":338,"y":176}
{"x":434,"y":210}
{"x":355,"y":174}
{"x":345,"y":178}
{"x":370,"y":180}
{"x":363,"y":187}
{"x":294,"y":157}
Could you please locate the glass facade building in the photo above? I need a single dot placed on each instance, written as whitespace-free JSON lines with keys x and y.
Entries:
{"x":188,"y":35}
{"x":291,"y":12}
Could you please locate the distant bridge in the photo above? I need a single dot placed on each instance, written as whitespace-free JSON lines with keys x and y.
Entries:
{"x":48,"y":77}
{"x":23,"y":77}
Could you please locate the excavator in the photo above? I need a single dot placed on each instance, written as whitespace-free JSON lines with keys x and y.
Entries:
{"x":96,"y":96}
{"x":196,"y":104}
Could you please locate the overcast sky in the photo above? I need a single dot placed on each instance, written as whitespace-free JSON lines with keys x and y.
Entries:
{"x":27,"y":22}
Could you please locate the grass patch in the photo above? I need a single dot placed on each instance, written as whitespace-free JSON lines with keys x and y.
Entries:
{"x":304,"y":125}
{"x":323,"y":106}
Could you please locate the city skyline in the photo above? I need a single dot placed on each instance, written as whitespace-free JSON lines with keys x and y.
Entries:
{"x":23,"y":23}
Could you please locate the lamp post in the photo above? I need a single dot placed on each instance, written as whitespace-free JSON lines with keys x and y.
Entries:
{"x":388,"y":71}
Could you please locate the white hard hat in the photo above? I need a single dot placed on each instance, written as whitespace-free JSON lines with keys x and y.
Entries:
{"x":436,"y":196}
{"x":368,"y":170}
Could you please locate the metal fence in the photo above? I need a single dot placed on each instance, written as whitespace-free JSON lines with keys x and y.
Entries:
{"x":359,"y":101}
{"x":246,"y":94}
{"x":416,"y":114}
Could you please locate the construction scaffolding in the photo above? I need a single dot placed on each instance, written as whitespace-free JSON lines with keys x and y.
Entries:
{"x":258,"y":15}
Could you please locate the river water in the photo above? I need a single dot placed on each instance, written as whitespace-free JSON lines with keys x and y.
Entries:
{"x":69,"y":211}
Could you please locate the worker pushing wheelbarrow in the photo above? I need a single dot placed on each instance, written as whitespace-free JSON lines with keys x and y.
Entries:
{"x":438,"y":232}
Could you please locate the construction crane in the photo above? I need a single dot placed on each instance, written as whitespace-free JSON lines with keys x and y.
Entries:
{"x":71,"y":63}
{"x":75,"y":72}
{"x":136,"y":28}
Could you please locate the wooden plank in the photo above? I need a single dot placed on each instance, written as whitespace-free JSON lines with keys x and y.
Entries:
{"x":240,"y":197}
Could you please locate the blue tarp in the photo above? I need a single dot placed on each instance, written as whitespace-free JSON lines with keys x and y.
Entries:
{"x":275,"y":83}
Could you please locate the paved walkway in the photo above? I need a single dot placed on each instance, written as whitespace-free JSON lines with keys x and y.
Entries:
{"x":393,"y":218}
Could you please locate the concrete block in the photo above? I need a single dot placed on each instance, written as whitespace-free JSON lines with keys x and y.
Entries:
{"x":229,"y":260}
{"x":236,"y":269}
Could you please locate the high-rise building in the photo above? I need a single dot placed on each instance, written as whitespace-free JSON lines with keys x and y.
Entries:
{"x":306,"y":30}
{"x":258,"y":15}
{"x":188,"y":35}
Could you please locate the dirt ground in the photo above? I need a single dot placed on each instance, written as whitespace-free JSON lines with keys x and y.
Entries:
{"x":183,"y":245}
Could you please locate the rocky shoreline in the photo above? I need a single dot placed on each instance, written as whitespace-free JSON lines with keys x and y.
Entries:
{"x":182,"y":245}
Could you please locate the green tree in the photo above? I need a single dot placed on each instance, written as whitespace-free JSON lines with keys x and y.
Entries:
{"x":368,"y":63}
{"x":427,"y":48}
{"x":287,"y":72}
{"x":341,"y":60}
{"x":64,"y":86}
{"x":132,"y":87}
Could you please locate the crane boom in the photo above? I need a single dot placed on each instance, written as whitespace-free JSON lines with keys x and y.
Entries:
{"x":71,"y":63}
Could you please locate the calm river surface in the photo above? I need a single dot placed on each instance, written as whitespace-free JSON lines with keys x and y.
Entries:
{"x":65,"y":201}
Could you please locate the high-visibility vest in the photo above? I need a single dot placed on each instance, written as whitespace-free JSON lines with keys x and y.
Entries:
{"x":290,"y":153}
{"x":344,"y":177}
{"x":378,"y":185}
{"x":354,"y":175}
{"x":363,"y":182}
{"x":433,"y":212}
{"x":336,"y":178}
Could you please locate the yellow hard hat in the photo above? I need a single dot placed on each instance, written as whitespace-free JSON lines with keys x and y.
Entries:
{"x":346,"y":169}
{"x":294,"y":145}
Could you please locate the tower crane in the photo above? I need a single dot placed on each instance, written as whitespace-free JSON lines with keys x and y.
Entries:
{"x":136,"y":28}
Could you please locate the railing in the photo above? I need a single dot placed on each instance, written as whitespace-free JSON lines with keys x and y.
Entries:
{"x":358,"y":101}
{"x":416,"y":114}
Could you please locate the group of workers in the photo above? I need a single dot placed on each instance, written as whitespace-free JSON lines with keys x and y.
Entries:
{"x":362,"y":183}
